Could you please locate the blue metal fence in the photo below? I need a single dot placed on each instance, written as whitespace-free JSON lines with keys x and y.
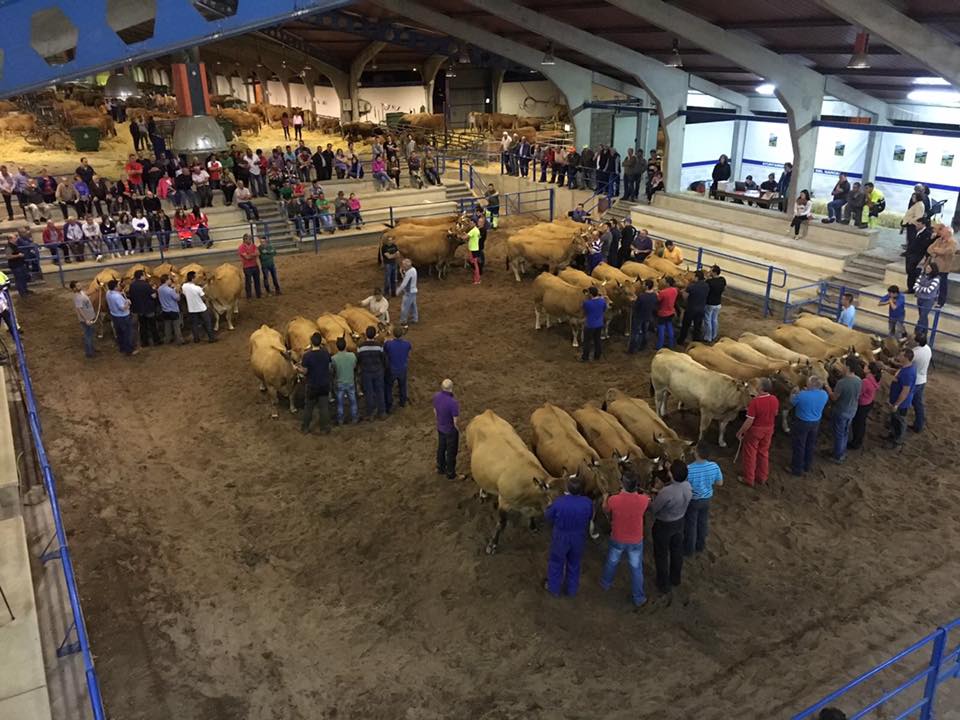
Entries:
{"x":62,"y":552}
{"x":914,"y":697}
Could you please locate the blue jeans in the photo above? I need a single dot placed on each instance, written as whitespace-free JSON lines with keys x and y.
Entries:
{"x":711,"y":322}
{"x":123,"y":327}
{"x":389,"y":278}
{"x":21,"y":277}
{"x":696,"y":526}
{"x":593,"y":259}
{"x":408,"y":308}
{"x":401,"y":379}
{"x":841,"y":432}
{"x":270,"y":271}
{"x":665,"y":331}
{"x":924,"y":306}
{"x":347,"y":391}
{"x":919,"y":412}
{"x":373,"y":391}
{"x":638,"y":335}
{"x":634,"y":560}
{"x":803,"y":437}
{"x":89,"y":332}
{"x":834,"y":209}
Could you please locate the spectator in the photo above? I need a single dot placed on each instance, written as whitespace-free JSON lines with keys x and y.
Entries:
{"x":696,"y":296}
{"x":389,"y":252}
{"x":927,"y":291}
{"x":578,"y":214}
{"x":702,"y":475}
{"x":6,"y":189}
{"x":249,"y":259}
{"x":770,"y":184}
{"x":378,"y":169}
{"x":808,"y":407}
{"x":868,"y":391}
{"x":783,"y":185}
{"x":626,"y":510}
{"x":200,"y":226}
{"x":446,"y":410}
{"x":721,"y":173}
{"x":642,"y":318}
{"x":143,"y":304}
{"x":134,"y":170}
{"x":93,"y":238}
{"x":941,"y":252}
{"x":66,"y":194}
{"x":669,"y":511}
{"x":197,"y":308}
{"x":397,"y":351}
{"x":716,"y":284}
{"x":430,"y":169}
{"x":53,"y":240}
{"x":672,"y":252}
{"x":839,"y":194}
{"x":666,"y":304}
{"x":285,"y":124}
{"x":316,"y":365}
{"x":408,"y":293}
{"x":323,"y":213}
{"x":875,"y":204}
{"x":87,"y":317}
{"x":119,"y":308}
{"x":750,"y":184}
{"x":353,"y":203}
{"x":244,"y":202}
{"x":268,"y":265}
{"x":570,"y":516}
{"x":632,"y":171}
{"x":169,"y":300}
{"x":628,"y":233}
{"x":641,"y":247}
{"x":801,"y":212}
{"x":297,"y":125}
{"x":846,"y":398}
{"x":897,"y":313}
{"x":341,"y":211}
{"x":921,"y":365}
{"x":201,"y":181}
{"x":594,"y":310}
{"x":73,"y":236}
{"x":345,"y":368}
{"x":654,"y":185}
{"x":916,"y":252}
{"x":756,"y":434}
{"x":856,"y":199}
{"x":372,"y":362}
{"x":901,"y":397}
{"x":141,"y":232}
{"x":848,"y":311}
{"x":229,"y":187}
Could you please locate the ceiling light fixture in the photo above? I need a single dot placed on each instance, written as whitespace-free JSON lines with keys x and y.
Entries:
{"x":930,"y":81}
{"x":450,"y":72}
{"x":675,"y":61}
{"x":766,"y":89}
{"x":860,"y":60}
{"x":463,"y":57}
{"x":934,"y":97}
{"x":548,"y":58}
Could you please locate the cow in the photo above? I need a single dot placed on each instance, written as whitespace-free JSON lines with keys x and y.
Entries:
{"x":130,"y":271}
{"x":17,"y":124}
{"x":332,"y":327}
{"x":92,"y":118}
{"x":7,"y":106}
{"x":771,"y":348}
{"x":553,"y":298}
{"x":200,"y":270}
{"x":527,"y":121}
{"x":297,"y":336}
{"x":502,"y":465}
{"x":641,"y":271}
{"x":359,"y":319}
{"x":742,"y":352}
{"x":440,"y":220}
{"x":97,"y":292}
{"x":805,"y":342}
{"x":427,"y":121}
{"x":836,"y":334}
{"x":555,"y":253}
{"x":649,"y":431}
{"x":714,"y":359}
{"x":242,"y":120}
{"x":666,"y":267}
{"x":223,"y":291}
{"x":431,"y":246}
{"x":606,"y":435}
{"x":271,"y":365}
{"x":621,"y":296}
{"x":358,"y":130}
{"x":717,"y":396}
{"x":327,"y":125}
{"x":621,"y":289}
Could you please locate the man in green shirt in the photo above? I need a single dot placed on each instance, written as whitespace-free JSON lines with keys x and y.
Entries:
{"x":268,"y":265}
{"x":345,"y":367}
{"x":473,"y":245}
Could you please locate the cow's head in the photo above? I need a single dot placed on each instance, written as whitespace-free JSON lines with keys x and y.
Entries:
{"x":671,"y":447}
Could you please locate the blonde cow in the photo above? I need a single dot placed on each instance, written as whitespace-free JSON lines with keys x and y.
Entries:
{"x":270,"y":361}
{"x":555,"y":299}
{"x":836,"y":334}
{"x":502,"y":465}
{"x":646,"y":427}
{"x":717,"y":396}
{"x":97,"y":292}
{"x":359,"y":319}
{"x":333,"y":327}
{"x":805,"y":342}
{"x":223,"y":291}
{"x":297,"y":335}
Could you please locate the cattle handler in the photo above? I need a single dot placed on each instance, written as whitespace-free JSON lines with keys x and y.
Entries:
{"x":570,"y":515}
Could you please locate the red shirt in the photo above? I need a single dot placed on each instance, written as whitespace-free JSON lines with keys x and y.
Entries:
{"x":626,"y":516}
{"x":666,"y":301}
{"x":248,"y":254}
{"x":868,"y":388}
{"x":763,"y":409}
{"x":214,"y":169}
{"x":134,"y":172}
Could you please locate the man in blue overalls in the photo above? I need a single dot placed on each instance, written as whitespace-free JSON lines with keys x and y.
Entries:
{"x":570,"y":515}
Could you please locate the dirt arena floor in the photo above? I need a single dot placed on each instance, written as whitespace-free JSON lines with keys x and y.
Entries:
{"x":233,"y":569}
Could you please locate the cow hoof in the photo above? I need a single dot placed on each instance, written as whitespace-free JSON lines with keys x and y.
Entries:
{"x":275,"y":416}
{"x":231,"y":328}
{"x":491,"y":549}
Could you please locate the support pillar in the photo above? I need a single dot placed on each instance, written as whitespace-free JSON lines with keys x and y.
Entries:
{"x":496,"y":82}
{"x":429,"y":74}
{"x":736,"y":148}
{"x":356,"y":70}
{"x":871,"y":159}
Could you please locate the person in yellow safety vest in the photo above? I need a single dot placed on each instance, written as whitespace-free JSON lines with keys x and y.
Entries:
{"x":4,"y":302}
{"x":875,"y":204}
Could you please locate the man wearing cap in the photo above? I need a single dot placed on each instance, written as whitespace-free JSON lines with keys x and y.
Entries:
{"x":446,"y":409}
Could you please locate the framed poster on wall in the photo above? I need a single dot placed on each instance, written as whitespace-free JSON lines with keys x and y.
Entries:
{"x":839,"y":149}
{"x":772,"y":142}
{"x":947,"y":160}
{"x":899,"y":152}
{"x":920,"y":157}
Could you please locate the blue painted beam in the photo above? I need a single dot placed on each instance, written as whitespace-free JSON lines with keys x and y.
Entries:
{"x":178,"y":25}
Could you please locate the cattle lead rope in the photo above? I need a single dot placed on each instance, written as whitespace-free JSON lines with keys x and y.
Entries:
{"x":739,"y":445}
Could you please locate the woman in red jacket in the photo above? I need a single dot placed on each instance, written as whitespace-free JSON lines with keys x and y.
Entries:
{"x":200,"y":226}
{"x":182,"y":225}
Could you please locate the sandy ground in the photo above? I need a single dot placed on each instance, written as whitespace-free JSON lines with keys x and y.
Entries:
{"x":232,"y":568}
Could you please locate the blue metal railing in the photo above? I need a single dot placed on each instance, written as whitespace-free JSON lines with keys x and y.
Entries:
{"x":62,"y":552}
{"x":943,"y":665}
{"x":823,"y":290}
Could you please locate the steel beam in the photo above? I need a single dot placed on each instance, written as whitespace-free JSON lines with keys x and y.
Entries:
{"x":924,"y":44}
{"x":177,"y":25}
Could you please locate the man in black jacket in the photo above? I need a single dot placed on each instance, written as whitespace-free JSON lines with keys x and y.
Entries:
{"x":143,"y":304}
{"x":696,"y":294}
{"x":372,"y":363}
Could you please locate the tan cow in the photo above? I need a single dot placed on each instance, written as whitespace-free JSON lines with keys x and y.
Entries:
{"x":427,"y":121}
{"x":612,"y":440}
{"x":333,"y":327}
{"x":836,"y":334}
{"x":621,"y":296}
{"x":805,"y":342}
{"x":502,"y":465}
{"x":650,"y":432}
{"x":554,"y":299}
{"x":271,"y":365}
{"x":242,"y":120}
{"x":427,"y":246}
{"x":744,"y":353}
{"x":554,"y":253}
{"x":223,"y":291}
{"x":621,"y":289}
{"x":771,"y":348}
{"x":359,"y":319}
{"x":440,"y":220}
{"x":97,"y":292}
{"x":17,"y":124}
{"x":297,"y":336}
{"x":200,"y":270}
{"x":641,"y":271}
{"x":8,"y":106}
{"x":165,"y":269}
{"x":715,"y":359}
{"x":717,"y":396}
{"x":665,"y":267}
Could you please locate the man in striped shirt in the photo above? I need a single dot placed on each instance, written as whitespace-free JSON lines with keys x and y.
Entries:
{"x":702,"y":474}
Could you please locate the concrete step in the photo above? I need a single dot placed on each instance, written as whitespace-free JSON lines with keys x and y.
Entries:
{"x":854,"y":279}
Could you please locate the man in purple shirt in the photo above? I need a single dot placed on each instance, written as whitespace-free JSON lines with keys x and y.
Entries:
{"x":447,"y":411}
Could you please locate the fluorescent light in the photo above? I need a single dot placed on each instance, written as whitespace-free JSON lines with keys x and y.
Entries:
{"x":675,"y":61}
{"x":548,"y":58}
{"x":935,"y":97}
{"x":930,"y":81}
{"x":487,"y":101}
{"x":860,"y":60}
{"x":766,"y":88}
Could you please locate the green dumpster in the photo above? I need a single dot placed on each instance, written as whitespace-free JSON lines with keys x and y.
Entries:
{"x":393,"y":119}
{"x":86,"y":139}
{"x":227,"y":127}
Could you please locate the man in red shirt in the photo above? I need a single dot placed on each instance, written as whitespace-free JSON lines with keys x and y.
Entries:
{"x":214,"y":169}
{"x":666,"y":309}
{"x":134,"y":174}
{"x":626,"y":511}
{"x":756,"y":434}
{"x":249,"y":256}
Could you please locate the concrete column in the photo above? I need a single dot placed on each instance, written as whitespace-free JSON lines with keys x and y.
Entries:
{"x":577,"y":87}
{"x":736,"y":149}
{"x":871,"y":160}
{"x":496,"y":81}
{"x":429,"y":74}
{"x":263,"y":75}
{"x":674,"y":125}
{"x":356,"y":70}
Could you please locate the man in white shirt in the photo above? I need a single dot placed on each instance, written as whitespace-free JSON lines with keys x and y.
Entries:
{"x":921,"y":363}
{"x":201,"y":179}
{"x":141,"y":232}
{"x":197,"y":308}
{"x":378,"y":305}
{"x":93,"y":237}
{"x":408,"y":293}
